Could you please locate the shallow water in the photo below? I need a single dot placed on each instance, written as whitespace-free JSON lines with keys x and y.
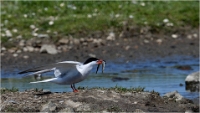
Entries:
{"x":159,"y":75}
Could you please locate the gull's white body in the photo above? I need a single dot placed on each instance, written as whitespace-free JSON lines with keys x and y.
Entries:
{"x":66,"y":72}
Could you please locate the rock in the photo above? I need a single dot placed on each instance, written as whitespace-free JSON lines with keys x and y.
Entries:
{"x":193,"y":77}
{"x":25,"y":57}
{"x":174,"y":36}
{"x":97,"y":41}
{"x":30,"y":48}
{"x":63,"y":41}
{"x":43,"y":36}
{"x":91,"y":55}
{"x":72,"y":103}
{"x":8,"y":33}
{"x":114,"y":79}
{"x":84,"y":107}
{"x":15,"y":55}
{"x":111,"y":36}
{"x":50,"y":49}
{"x":49,"y":107}
{"x":183,"y":67}
{"x":3,"y":49}
{"x":67,"y":109}
{"x":12,"y":50}
{"x":25,"y":49}
{"x":76,"y":41}
{"x":22,"y":43}
{"x":175,"y":95}
{"x":192,"y":82}
{"x":127,"y":47}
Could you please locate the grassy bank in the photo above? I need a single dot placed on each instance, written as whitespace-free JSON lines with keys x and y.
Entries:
{"x":27,"y":19}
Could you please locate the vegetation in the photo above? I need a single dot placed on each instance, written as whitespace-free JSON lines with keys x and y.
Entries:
{"x":117,"y":89}
{"x":27,"y":19}
{"x":5,"y":90}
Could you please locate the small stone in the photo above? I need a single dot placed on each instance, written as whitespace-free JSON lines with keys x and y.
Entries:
{"x":159,"y":40}
{"x":111,"y":36}
{"x":30,"y":48}
{"x":174,"y":36}
{"x":3,"y":49}
{"x":63,"y":41}
{"x":127,"y":47}
{"x":8,"y":33}
{"x":22,"y":43}
{"x":91,"y":55}
{"x":12,"y":50}
{"x":25,"y":49}
{"x":25,"y":57}
{"x":18,"y":51}
{"x":15,"y":55}
{"x":76,"y":41}
{"x":165,"y":20}
{"x":146,"y":41}
{"x":195,"y":35}
{"x":19,"y":37}
{"x":43,"y":36}
{"x":51,"y":49}
{"x":189,"y":36}
{"x":36,"y":49}
{"x":32,"y":26}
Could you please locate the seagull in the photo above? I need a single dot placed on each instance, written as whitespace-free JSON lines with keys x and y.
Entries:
{"x":67,"y":72}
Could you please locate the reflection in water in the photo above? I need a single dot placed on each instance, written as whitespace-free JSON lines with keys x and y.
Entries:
{"x":153,"y":75}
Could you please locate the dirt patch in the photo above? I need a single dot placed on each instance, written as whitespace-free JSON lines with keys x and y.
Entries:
{"x":94,"y":100}
{"x":133,"y":45}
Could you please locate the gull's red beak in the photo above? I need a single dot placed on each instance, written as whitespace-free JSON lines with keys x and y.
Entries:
{"x":99,"y":62}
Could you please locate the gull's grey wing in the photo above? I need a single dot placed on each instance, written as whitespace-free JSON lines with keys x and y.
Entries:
{"x":58,"y":68}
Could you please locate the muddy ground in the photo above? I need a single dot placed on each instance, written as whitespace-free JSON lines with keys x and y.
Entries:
{"x":94,"y":100}
{"x":132,"y":46}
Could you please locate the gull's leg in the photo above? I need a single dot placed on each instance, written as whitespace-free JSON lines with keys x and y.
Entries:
{"x":74,"y":88}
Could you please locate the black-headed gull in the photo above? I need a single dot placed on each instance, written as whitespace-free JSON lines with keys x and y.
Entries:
{"x":67,"y":72}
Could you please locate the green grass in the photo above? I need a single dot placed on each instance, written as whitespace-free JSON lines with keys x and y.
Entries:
{"x":118,"y":89}
{"x":5,"y":90}
{"x":88,"y":16}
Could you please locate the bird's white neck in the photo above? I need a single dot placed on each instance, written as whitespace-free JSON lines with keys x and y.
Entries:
{"x":85,"y":68}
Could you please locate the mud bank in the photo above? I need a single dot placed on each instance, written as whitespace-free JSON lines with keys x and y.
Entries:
{"x":95,"y":100}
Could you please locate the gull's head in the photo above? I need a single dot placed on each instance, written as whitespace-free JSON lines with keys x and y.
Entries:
{"x":96,"y":61}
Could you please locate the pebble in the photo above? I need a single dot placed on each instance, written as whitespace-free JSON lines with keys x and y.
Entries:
{"x":174,"y":36}
{"x":22,"y":43}
{"x":32,"y":26}
{"x":159,"y":40}
{"x":3,"y":49}
{"x":19,"y":37}
{"x":49,"y":48}
{"x":12,"y":50}
{"x":25,"y":49}
{"x":146,"y":41}
{"x":91,"y":55}
{"x":8,"y":33}
{"x":25,"y":57}
{"x":76,"y":41}
{"x":30,"y":48}
{"x":195,"y":35}
{"x":63,"y":41}
{"x":111,"y":36}
{"x":18,"y":51}
{"x":189,"y":36}
{"x":127,"y":47}
{"x":43,"y":36}
{"x":15,"y":55}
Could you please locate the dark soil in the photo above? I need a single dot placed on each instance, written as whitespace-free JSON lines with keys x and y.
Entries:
{"x":94,"y":100}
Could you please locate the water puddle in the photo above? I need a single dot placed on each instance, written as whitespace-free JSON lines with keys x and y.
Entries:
{"x":161,"y":75}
